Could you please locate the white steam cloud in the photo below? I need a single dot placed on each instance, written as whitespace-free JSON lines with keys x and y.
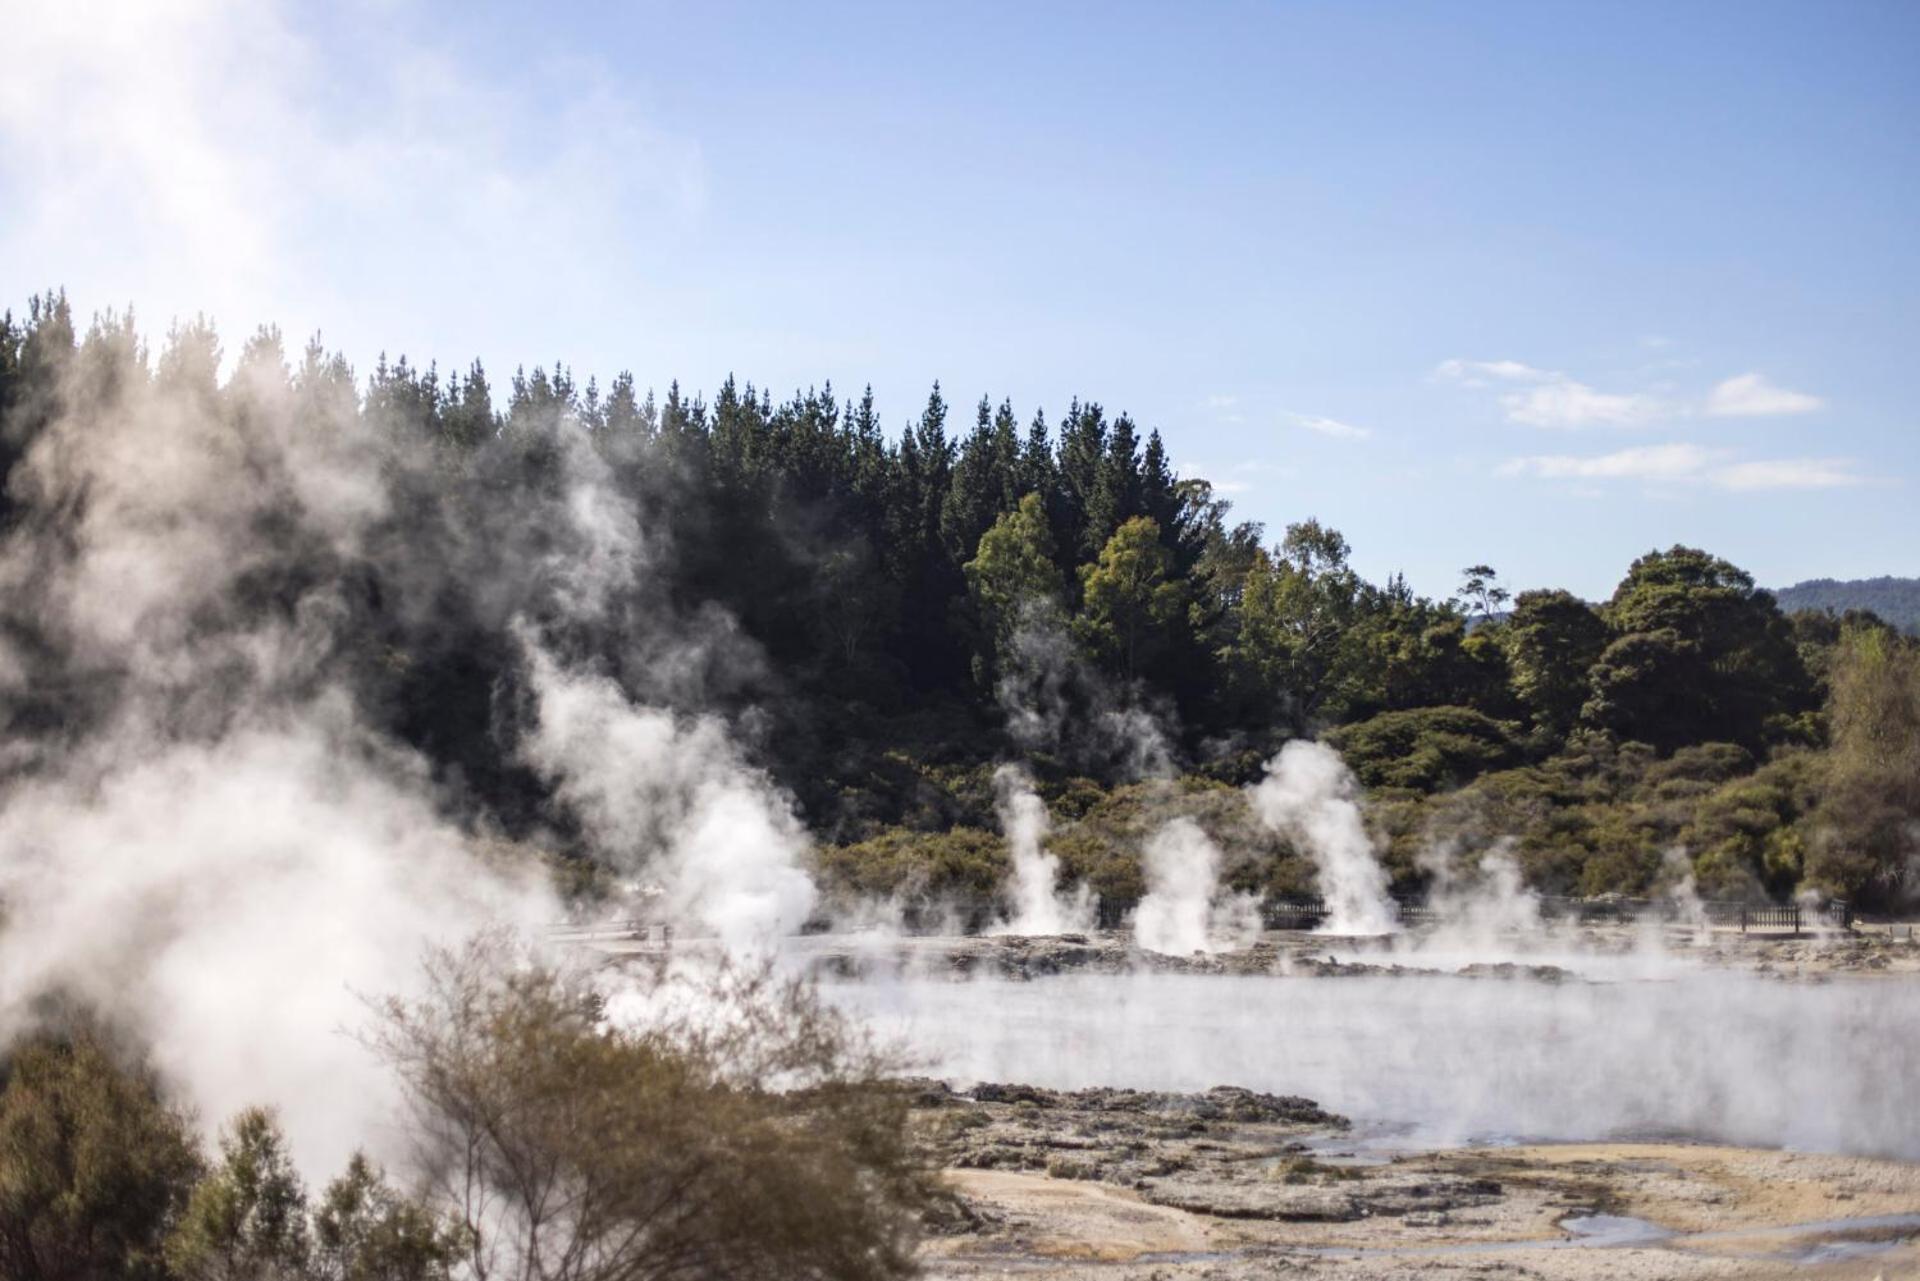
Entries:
{"x":215,"y":852}
{"x":1184,"y":910}
{"x":235,"y":901}
{"x":205,"y":836}
{"x":1309,"y":796}
{"x":670,"y":797}
{"x":1040,"y":906}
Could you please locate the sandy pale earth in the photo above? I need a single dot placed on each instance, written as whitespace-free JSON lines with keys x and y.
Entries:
{"x":1130,"y":1185}
{"x":1670,"y":1210}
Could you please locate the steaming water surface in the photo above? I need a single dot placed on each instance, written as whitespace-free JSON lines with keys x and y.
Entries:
{"x":1718,"y":1056}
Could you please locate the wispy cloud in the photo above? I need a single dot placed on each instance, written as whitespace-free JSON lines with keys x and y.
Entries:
{"x":1752,"y":396}
{"x":1330,"y":427}
{"x":1645,"y":462}
{"x":1690,"y":464}
{"x":1224,"y":407}
{"x":1566,"y":403}
{"x":1484,"y":373}
{"x":1790,"y":473}
{"x":1549,"y":398}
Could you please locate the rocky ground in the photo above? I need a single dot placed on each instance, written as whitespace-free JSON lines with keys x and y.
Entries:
{"x":1232,"y":1184}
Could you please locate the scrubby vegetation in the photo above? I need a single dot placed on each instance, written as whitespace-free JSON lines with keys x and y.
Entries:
{"x":752,"y":1137}
{"x":886,"y":614}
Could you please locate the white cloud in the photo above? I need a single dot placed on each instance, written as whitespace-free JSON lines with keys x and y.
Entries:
{"x":1224,"y":407}
{"x":1752,"y":396}
{"x":1790,"y":473}
{"x":1330,"y":427}
{"x":1645,"y":462}
{"x":1480,"y":373}
{"x":1548,"y":398}
{"x":1689,"y":464}
{"x":1566,"y":403}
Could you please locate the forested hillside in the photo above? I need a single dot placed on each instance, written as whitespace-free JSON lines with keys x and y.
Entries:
{"x":884,"y":610}
{"x":1897,"y":600}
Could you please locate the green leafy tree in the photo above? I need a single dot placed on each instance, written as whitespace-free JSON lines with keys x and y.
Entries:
{"x":1867,"y":830}
{"x":984,"y":480}
{"x":1481,"y":592}
{"x":1082,"y":453}
{"x":94,"y":1166}
{"x":364,"y":1230}
{"x":1427,"y":748}
{"x":1699,"y":655}
{"x":247,"y":1220}
{"x":1404,"y":651}
{"x":1012,"y":577}
{"x":1296,"y":609}
{"x":1552,"y":639}
{"x":1129,"y":601}
{"x":757,"y":1137}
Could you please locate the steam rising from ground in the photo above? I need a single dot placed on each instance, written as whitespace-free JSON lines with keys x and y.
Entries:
{"x":1184,"y":910}
{"x":203,"y":834}
{"x":1040,"y":906}
{"x":232,"y":900}
{"x":1717,"y":1055}
{"x":1311,"y":797}
{"x":670,"y":797}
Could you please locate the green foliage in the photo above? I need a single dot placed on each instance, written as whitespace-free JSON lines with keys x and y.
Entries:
{"x":856,"y":587}
{"x":1701,"y":655}
{"x":1553,"y":639}
{"x":364,"y":1230}
{"x":1425,"y":749}
{"x":1869,"y":831}
{"x":1296,"y":608}
{"x":1481,"y":592}
{"x":1130,"y":599}
{"x":570,"y":1146}
{"x":1012,"y":578}
{"x":247,"y":1220}
{"x":94,"y":1166}
{"x":961,"y":862}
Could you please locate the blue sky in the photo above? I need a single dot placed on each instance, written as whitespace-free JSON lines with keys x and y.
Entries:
{"x":1545,"y":285}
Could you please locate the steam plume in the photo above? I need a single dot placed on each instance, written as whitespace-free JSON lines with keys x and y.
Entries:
{"x":1184,"y":911}
{"x":1311,"y":797}
{"x":670,"y":797}
{"x":209,"y":830}
{"x":1039,"y":905}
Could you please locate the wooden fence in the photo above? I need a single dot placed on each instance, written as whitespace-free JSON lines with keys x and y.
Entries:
{"x":974,"y":915}
{"x":1308,"y":913}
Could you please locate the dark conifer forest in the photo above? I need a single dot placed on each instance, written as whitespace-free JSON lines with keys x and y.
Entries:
{"x":886,"y":602}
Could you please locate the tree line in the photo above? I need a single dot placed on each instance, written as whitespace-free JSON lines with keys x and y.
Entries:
{"x":897,"y":603}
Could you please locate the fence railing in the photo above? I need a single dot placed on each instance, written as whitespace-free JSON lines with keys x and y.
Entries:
{"x":976,"y":914}
{"x":1311,"y":912}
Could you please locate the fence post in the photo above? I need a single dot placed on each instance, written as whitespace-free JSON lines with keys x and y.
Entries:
{"x":1743,"y":918}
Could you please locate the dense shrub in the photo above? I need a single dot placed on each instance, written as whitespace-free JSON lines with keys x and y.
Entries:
{"x":1427,"y":748}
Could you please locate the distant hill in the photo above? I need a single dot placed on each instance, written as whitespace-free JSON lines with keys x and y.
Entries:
{"x":1895,"y":599}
